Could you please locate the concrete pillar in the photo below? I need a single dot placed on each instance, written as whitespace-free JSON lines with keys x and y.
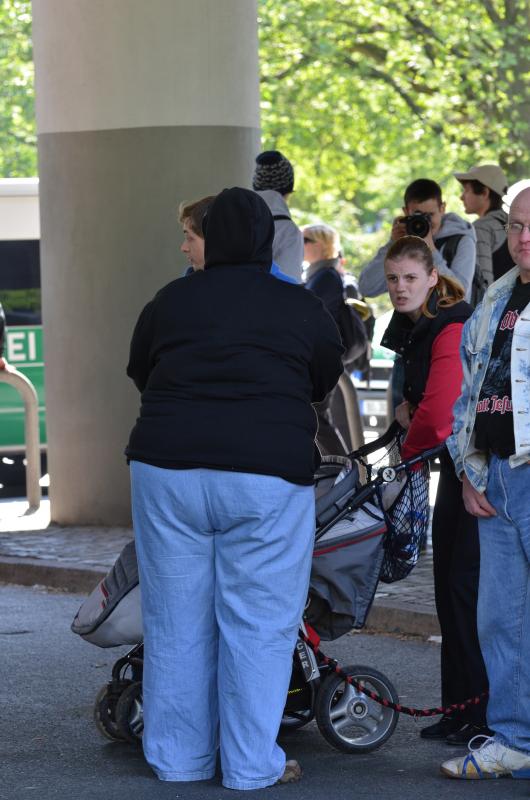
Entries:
{"x":139,"y":105}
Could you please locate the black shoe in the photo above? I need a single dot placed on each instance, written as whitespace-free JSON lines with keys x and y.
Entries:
{"x":442,"y":729}
{"x":466,"y":733}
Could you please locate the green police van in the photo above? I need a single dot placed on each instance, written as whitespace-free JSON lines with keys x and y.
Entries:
{"x":20,"y":296}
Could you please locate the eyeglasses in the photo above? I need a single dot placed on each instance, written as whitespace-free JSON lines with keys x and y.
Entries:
{"x":516,"y":227}
{"x":308,"y":241}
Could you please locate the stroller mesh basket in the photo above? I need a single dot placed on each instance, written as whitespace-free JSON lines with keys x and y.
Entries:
{"x":407,"y":516}
{"x":407,"y":523}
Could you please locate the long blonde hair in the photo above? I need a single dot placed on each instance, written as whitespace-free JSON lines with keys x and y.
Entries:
{"x":449,"y":290}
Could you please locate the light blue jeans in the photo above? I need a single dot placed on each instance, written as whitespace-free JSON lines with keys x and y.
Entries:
{"x":224,"y":563}
{"x":504,"y":602}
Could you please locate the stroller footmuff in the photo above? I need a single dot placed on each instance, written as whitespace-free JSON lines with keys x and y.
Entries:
{"x":348,"y":552}
{"x":358,"y":542}
{"x":112,"y":613}
{"x":111,"y":616}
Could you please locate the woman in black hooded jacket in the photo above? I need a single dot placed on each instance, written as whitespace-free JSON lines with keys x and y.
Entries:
{"x":229,"y":361}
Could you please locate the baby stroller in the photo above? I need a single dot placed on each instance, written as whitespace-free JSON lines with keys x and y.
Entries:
{"x":371,"y":518}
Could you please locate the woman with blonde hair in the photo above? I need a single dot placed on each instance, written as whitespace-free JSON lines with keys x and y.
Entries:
{"x":322,"y":253}
{"x":425,"y":330}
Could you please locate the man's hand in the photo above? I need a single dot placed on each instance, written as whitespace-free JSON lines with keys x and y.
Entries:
{"x":3,"y":363}
{"x":476,"y":503}
{"x":430,"y":241}
{"x":398,"y":229}
{"x":403,"y":414}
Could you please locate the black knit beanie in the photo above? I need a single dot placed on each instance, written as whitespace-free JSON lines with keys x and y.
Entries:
{"x":273,"y":171}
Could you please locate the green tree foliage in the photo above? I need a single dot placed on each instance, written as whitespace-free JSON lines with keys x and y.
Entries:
{"x":364,"y":97}
{"x":18,"y":151}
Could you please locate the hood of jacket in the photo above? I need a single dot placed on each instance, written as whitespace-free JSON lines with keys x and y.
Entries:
{"x":275,"y":201}
{"x":324,"y":263}
{"x":452,"y":224}
{"x":493,"y":219}
{"x":238,"y":229}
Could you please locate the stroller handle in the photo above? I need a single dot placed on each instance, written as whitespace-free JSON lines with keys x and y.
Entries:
{"x":384,"y":440}
{"x":426,"y":455}
{"x":392,"y":431}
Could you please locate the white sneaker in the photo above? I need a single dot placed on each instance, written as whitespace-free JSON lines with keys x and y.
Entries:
{"x":490,"y":760}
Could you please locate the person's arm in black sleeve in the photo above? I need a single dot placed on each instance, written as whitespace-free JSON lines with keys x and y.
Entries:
{"x":326,"y":363}
{"x":327,"y":285}
{"x":140,"y":365}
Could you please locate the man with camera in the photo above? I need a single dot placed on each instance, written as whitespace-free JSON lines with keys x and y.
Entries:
{"x":451,"y":239}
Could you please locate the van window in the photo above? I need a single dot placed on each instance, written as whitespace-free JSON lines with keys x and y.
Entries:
{"x":20,"y":290}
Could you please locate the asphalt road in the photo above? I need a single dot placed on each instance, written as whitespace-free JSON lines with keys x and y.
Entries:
{"x":50,"y":748}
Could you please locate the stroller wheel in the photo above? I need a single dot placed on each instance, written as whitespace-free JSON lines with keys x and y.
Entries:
{"x":130,"y":714}
{"x":350,"y":720}
{"x":105,"y":709}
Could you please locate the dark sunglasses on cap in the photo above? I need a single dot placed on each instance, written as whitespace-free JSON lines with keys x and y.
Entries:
{"x":308,"y":241}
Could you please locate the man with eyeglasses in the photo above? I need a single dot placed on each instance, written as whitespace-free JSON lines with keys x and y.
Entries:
{"x":490,"y":446}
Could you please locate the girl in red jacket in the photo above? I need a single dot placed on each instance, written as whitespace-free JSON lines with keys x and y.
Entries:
{"x":425,"y":330}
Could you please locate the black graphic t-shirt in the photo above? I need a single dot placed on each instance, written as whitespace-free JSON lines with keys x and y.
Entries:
{"x":494,"y":420}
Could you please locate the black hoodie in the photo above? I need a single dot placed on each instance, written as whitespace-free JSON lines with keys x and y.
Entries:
{"x":229,"y":359}
{"x":238,"y":229}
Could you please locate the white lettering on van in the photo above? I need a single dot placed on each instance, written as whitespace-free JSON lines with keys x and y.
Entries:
{"x":15,"y":346}
{"x":32,"y":346}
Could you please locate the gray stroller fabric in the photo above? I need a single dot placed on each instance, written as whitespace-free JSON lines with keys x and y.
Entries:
{"x":347,"y":558}
{"x":112,"y":614}
{"x":345,"y":573}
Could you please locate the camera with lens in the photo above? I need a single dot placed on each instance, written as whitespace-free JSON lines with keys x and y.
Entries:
{"x":417,"y":224}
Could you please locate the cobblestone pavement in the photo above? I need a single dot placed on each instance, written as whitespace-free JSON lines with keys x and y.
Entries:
{"x":75,"y":546}
{"x":416,"y":589}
